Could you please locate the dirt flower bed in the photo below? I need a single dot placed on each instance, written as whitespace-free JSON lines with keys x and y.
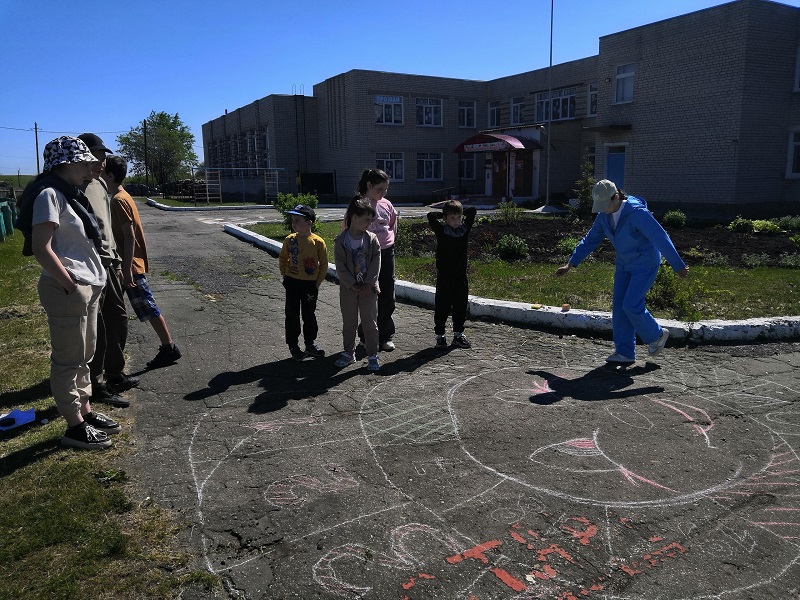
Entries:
{"x":697,"y":245}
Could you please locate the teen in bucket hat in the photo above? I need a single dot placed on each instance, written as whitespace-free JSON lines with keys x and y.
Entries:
{"x":66,"y":149}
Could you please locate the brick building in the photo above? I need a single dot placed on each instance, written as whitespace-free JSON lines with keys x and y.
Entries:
{"x":699,"y":112}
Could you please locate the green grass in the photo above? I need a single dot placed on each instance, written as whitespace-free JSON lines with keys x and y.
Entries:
{"x":709,"y":293}
{"x":68,"y":523}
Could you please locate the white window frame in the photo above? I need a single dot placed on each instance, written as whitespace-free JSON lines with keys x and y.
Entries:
{"x":564,"y":99}
{"x":430,"y":161}
{"x":465,"y":164}
{"x":466,"y":109}
{"x":591,"y":100}
{"x":792,"y":166}
{"x":429,"y":112}
{"x":624,"y":79}
{"x":518,"y":110}
{"x":391,"y":163}
{"x":394,"y":104}
{"x":494,"y":114}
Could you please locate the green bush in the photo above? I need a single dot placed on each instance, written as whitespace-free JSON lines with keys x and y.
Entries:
{"x":741,"y":225}
{"x":567,"y":245}
{"x":289,"y":201}
{"x":509,"y":212}
{"x":668,"y":292}
{"x":674,"y":218}
{"x":767,"y":227}
{"x":788,"y":223}
{"x":410,"y":240}
{"x":511,"y":247}
{"x":715,"y":259}
{"x":792,"y":261}
{"x":795,"y":239}
{"x":755,"y":260}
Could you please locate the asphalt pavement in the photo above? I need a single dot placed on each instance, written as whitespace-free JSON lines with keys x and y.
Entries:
{"x":520,"y":468}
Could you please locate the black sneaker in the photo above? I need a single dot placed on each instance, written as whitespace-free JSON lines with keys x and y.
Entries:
{"x":297,"y":354}
{"x":122,"y":382}
{"x":101,"y":393}
{"x":101,"y":422}
{"x":167,"y":355}
{"x":441,"y":341}
{"x":461,"y":341}
{"x":314,"y":350}
{"x":85,"y":437}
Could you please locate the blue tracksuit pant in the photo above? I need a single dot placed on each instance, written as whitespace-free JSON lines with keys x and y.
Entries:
{"x":628,"y":314}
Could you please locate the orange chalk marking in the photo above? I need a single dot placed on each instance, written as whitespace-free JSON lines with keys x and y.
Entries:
{"x":511,"y":581}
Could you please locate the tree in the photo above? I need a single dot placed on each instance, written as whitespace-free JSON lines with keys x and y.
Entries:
{"x":583,"y":190}
{"x":169,"y":148}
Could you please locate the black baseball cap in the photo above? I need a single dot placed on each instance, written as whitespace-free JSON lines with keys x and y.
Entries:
{"x":303,"y":211}
{"x":94,"y":142}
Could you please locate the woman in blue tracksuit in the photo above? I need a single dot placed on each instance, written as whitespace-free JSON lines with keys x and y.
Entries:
{"x":639,"y":241}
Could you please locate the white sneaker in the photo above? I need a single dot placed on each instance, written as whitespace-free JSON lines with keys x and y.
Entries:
{"x":346,"y":358}
{"x":387,"y":346}
{"x":619,"y":358}
{"x":658,"y":345}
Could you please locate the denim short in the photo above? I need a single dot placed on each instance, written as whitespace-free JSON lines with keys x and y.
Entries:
{"x":142,"y":300}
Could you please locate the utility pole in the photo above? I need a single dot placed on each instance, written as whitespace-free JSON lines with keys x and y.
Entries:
{"x":146,"y":175}
{"x":550,"y":105}
{"x":36,"y":134}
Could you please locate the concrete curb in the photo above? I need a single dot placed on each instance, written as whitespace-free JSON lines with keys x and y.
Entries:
{"x":158,"y":205}
{"x":574,"y":320}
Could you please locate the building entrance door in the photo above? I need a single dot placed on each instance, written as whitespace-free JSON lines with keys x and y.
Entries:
{"x":500,"y":175}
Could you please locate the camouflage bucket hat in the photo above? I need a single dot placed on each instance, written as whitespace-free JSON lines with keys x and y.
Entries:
{"x":66,"y":149}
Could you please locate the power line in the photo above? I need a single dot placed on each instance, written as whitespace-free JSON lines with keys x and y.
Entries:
{"x":46,"y":131}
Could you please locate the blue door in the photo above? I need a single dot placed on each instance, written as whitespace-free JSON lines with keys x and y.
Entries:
{"x":615,"y":166}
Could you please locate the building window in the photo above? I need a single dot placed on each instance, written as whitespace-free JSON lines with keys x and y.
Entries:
{"x":391,"y":163}
{"x":429,"y":112}
{"x":623,"y":83}
{"x":429,"y":166}
{"x":466,"y":114}
{"x":591,"y":109}
{"x":517,"y":108}
{"x":389,"y":110}
{"x":560,"y":105}
{"x":793,"y":166}
{"x":494,"y":114}
{"x":466,"y":167}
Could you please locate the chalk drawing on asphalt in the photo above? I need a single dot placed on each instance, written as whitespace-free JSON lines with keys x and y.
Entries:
{"x":446,"y":430}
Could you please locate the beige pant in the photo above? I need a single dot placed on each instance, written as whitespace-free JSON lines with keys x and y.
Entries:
{"x":367,"y":306}
{"x":72,"y":319}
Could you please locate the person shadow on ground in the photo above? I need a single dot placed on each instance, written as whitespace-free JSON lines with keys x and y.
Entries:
{"x":601,"y":383}
{"x":287,"y":379}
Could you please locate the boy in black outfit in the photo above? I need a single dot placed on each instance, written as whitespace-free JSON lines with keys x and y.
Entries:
{"x":452,"y":287}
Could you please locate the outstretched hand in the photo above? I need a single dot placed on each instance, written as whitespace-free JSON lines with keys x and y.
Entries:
{"x":563,"y":270}
{"x":684,"y":272}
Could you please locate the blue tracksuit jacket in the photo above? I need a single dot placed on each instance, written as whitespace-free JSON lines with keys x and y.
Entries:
{"x":639,"y":239}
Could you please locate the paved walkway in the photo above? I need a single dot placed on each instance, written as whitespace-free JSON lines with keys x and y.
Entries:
{"x":522,"y":468}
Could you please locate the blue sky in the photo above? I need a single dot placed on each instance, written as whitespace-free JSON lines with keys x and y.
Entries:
{"x":102,"y":67}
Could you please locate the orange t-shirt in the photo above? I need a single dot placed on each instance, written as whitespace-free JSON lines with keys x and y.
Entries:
{"x":123,"y":212}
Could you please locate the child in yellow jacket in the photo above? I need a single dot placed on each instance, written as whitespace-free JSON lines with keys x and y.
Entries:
{"x":303,"y":264}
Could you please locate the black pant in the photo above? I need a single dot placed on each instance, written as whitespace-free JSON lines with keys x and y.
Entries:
{"x":301,"y":300}
{"x":112,"y":330}
{"x":385,"y":298}
{"x":451,"y":293}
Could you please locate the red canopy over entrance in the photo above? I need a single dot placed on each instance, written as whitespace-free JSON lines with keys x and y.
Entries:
{"x":496,"y":142}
